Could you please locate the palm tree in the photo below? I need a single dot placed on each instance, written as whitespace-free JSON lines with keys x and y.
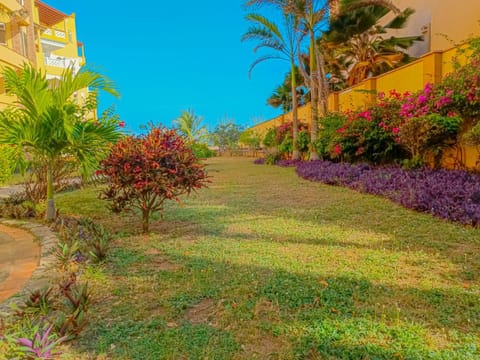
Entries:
{"x":358,"y":37}
{"x":283,"y":41}
{"x":190,"y":125}
{"x":47,"y":123}
{"x":282,"y":95}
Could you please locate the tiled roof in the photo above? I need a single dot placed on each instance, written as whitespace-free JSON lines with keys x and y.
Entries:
{"x":49,"y":15}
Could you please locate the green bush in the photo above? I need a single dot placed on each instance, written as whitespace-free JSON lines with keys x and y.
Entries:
{"x":270,"y":138}
{"x":327,"y":134}
{"x":7,"y":165}
{"x":201,"y":151}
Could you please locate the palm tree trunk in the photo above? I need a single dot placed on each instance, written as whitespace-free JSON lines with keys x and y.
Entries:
{"x":314,"y":99}
{"x":50,"y":213}
{"x":295,"y":153}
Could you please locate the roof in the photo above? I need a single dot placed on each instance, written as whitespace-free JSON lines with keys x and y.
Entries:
{"x":49,"y":15}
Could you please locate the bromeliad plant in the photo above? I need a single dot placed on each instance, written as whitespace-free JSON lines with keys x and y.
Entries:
{"x":145,"y":171}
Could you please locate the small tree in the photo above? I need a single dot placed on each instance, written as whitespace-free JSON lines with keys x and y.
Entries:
{"x":227,"y":135}
{"x":145,"y":171}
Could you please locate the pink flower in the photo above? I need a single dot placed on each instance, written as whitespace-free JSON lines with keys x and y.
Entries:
{"x":428,"y":88}
{"x":337,"y":149}
{"x":395,"y":130}
{"x":422,"y":99}
{"x":121,"y":124}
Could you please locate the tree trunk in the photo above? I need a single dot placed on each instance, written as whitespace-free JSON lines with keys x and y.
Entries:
{"x":296,"y":153}
{"x":314,"y":99}
{"x":50,"y":213}
{"x":145,"y":221}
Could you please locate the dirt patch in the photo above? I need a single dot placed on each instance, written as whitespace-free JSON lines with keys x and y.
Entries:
{"x":152,"y":251}
{"x":202,"y":313}
{"x":264,"y":347}
{"x":266,"y":310}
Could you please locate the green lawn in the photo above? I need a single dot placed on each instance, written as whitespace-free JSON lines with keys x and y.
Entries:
{"x":265,"y":265}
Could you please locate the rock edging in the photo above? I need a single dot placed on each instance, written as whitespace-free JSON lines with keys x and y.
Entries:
{"x":44,"y":271}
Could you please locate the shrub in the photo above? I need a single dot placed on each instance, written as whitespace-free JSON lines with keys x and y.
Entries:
{"x":7,"y":164}
{"x":428,"y":134}
{"x":18,"y":206}
{"x":269,"y":139}
{"x":328,"y":135}
{"x":145,"y":171}
{"x":201,"y":151}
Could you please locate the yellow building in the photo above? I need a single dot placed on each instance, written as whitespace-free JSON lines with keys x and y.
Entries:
{"x":35,"y":33}
{"x":17,"y":37}
{"x":442,"y":23}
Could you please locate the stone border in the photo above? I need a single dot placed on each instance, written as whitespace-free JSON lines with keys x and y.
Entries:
{"x":44,"y":271}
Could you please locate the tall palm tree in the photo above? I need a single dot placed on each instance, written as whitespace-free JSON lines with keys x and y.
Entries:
{"x":283,"y":41}
{"x":312,"y":15}
{"x":47,"y":122}
{"x":190,"y":125}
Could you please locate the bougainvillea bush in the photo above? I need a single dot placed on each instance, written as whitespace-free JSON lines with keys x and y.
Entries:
{"x":452,"y":195}
{"x":145,"y":171}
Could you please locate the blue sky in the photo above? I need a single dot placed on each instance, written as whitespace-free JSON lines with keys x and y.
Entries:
{"x":168,"y":56}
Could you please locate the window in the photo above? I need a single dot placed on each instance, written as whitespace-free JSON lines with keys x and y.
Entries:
{"x":23,"y":39}
{"x":3,"y":34}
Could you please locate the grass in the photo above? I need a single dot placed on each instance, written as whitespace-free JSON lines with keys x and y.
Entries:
{"x":264,"y":265}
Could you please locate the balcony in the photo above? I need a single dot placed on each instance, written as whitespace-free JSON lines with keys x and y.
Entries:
{"x":10,"y":57}
{"x":57,"y":36}
{"x":12,"y":5}
{"x":62,"y":63}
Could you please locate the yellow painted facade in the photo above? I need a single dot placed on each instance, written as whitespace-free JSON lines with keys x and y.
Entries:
{"x":443,"y":23}
{"x":40,"y":35}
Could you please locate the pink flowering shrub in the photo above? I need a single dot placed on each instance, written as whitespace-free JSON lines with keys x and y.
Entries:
{"x":370,"y":135}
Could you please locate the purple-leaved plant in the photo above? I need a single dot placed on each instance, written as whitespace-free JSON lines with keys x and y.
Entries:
{"x":448,"y":194}
{"x":43,"y":344}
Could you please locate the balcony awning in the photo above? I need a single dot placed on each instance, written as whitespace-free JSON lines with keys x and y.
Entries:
{"x":49,"y":15}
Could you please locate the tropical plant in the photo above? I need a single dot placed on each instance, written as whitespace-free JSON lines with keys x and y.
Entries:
{"x":283,"y":39}
{"x":42,"y":345}
{"x":48,"y":123}
{"x":190,"y":125}
{"x":359,"y":39}
{"x":145,"y":171}
{"x":282,"y":95}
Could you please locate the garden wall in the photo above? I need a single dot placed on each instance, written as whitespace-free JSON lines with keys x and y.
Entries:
{"x":430,"y":68}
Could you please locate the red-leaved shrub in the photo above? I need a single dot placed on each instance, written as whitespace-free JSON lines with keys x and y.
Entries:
{"x":144,"y":171}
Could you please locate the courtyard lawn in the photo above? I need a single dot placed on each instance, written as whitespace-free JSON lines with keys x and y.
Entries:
{"x":265,"y":265}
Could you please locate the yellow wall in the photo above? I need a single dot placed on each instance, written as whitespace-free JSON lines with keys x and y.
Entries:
{"x":457,"y":19}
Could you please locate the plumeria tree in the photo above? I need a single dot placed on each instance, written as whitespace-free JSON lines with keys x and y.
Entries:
{"x":47,"y":123}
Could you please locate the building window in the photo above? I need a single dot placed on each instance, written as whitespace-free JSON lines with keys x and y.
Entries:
{"x":23,"y":38}
{"x":3,"y":34}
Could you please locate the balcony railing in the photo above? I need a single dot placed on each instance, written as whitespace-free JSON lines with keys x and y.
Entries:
{"x":54,"y":35}
{"x":64,"y":62}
